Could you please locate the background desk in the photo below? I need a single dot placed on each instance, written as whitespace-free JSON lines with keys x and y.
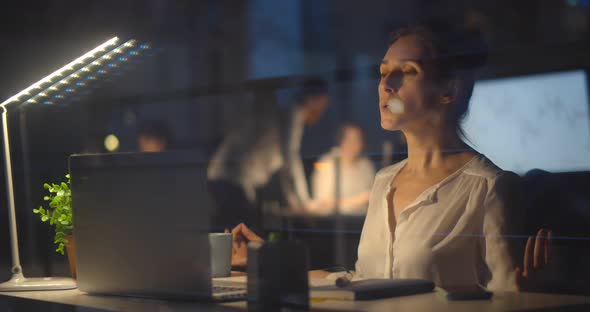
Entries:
{"x":9,"y":301}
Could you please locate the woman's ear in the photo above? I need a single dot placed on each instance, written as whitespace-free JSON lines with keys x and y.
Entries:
{"x":450,"y":91}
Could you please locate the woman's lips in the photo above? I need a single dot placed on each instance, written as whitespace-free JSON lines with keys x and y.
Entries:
{"x":395,"y":106}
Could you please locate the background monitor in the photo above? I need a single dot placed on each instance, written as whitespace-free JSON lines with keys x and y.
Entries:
{"x":537,"y":121}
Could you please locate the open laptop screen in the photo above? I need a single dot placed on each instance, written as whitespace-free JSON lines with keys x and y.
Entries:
{"x":141,"y":223}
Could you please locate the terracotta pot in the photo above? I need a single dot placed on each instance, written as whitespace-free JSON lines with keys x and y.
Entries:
{"x":71,"y":252}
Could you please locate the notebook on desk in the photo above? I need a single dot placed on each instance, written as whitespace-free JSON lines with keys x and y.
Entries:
{"x":373,"y":289}
{"x":141,"y":226}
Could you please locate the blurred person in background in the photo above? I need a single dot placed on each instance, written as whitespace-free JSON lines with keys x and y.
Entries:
{"x":355,"y":172}
{"x":263,"y":144}
{"x":153,"y":136}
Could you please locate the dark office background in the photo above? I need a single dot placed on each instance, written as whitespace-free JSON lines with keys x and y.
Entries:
{"x":211,"y":58}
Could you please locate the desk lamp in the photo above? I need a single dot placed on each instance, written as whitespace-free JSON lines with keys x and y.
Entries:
{"x":54,"y":88}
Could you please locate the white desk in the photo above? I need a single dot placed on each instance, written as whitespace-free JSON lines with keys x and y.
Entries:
{"x":424,"y":302}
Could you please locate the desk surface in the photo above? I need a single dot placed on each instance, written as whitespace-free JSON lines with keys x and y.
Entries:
{"x":425,"y":302}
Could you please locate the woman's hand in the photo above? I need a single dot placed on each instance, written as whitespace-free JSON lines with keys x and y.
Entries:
{"x":241,"y":236}
{"x":537,"y":271}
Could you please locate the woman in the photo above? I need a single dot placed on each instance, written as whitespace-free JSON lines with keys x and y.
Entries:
{"x":446,"y":212}
{"x":356,"y":174}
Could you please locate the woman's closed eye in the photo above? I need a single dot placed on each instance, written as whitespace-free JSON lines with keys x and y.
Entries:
{"x":410,"y":72}
{"x":393,"y":74}
{"x":405,"y":73}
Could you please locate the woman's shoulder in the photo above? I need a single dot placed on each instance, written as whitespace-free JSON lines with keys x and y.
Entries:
{"x":483,"y":167}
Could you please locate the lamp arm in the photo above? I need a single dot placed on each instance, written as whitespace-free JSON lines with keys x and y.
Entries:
{"x":16,"y":265}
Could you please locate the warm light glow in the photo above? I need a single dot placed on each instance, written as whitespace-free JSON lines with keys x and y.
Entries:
{"x":321,"y":165}
{"x":60,"y":71}
{"x":111,"y":143}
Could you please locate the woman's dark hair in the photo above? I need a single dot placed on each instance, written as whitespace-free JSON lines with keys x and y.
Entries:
{"x":456,"y":53}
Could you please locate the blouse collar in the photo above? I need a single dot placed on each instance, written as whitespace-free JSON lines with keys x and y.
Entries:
{"x":430,"y":194}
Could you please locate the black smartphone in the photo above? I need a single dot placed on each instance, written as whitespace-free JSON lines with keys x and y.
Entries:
{"x":467,"y":293}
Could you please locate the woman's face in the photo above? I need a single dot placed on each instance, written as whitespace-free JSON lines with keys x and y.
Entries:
{"x":352,"y":143}
{"x":408,"y":96}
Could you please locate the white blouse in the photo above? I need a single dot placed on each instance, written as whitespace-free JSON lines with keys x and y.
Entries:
{"x":454,"y":233}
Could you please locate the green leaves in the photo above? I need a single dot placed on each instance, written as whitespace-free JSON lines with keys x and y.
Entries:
{"x":59,"y":213}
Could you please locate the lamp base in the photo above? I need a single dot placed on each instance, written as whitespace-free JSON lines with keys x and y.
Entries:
{"x":21,"y":283}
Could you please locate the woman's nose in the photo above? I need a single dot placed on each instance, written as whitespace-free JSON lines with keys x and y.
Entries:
{"x":392,"y":83}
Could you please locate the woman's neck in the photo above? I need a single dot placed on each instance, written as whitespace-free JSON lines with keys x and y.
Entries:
{"x":428,"y":150}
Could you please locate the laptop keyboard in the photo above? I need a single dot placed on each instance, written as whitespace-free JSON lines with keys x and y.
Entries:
{"x":229,"y":293}
{"x":222,"y":289}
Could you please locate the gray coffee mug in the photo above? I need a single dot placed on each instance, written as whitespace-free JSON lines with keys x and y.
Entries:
{"x":220,"y":251}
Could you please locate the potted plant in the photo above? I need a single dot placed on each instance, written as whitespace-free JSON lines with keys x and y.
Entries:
{"x":59,"y":214}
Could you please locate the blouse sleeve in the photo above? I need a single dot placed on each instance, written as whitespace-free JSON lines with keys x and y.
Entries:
{"x":502,"y":221}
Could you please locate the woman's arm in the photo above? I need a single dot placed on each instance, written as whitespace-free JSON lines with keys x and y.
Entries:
{"x":241,"y":236}
{"x":502,"y":221}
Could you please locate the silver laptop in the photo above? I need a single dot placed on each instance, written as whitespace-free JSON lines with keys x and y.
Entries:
{"x":141,"y":226}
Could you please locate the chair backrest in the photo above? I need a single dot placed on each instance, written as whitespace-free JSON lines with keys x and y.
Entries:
{"x":561,"y":202}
